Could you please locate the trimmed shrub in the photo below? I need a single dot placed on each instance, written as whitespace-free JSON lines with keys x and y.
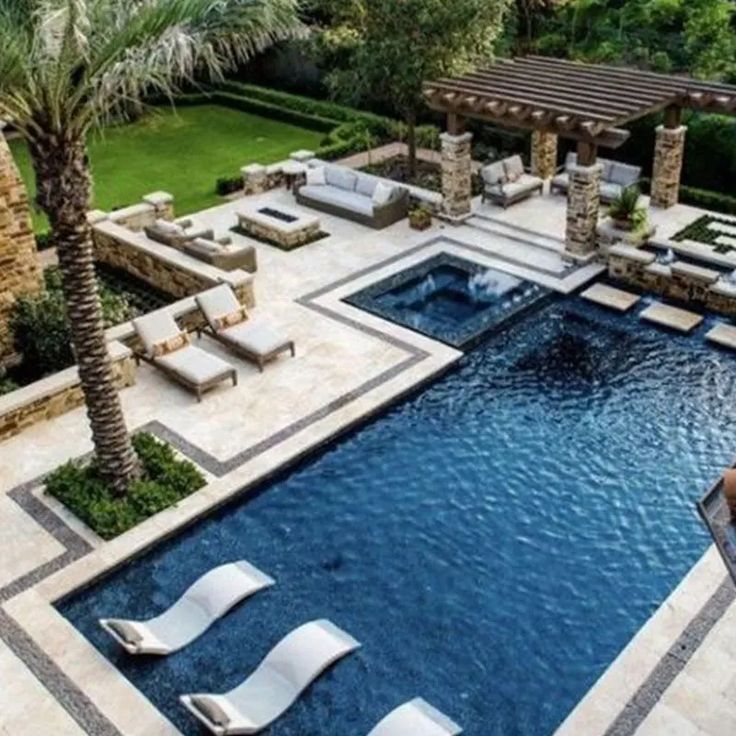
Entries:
{"x":708,"y":200}
{"x":166,"y":480}
{"x":228,"y":185}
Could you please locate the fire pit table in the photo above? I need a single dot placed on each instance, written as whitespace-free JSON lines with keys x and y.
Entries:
{"x":279,"y":225}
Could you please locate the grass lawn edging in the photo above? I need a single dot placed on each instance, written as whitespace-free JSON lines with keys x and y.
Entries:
{"x":166,"y":480}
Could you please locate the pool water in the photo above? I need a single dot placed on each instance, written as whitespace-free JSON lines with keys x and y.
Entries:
{"x":449,"y":298}
{"x":493,"y":541}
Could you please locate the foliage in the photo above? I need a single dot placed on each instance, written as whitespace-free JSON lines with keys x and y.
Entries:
{"x":166,"y":480}
{"x":7,"y":385}
{"x":228,"y":185}
{"x":708,"y":200}
{"x":626,"y":208}
{"x":41,"y":329}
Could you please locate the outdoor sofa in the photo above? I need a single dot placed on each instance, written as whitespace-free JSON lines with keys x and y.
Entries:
{"x":167,"y":348}
{"x":506,"y":182}
{"x":615,"y":177}
{"x":228,"y":323}
{"x":176,"y":234}
{"x":354,"y":195}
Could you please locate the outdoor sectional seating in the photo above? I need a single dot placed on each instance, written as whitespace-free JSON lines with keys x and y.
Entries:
{"x":506,"y":182}
{"x":615,"y":177}
{"x":221,"y":253}
{"x":167,"y":348}
{"x":354,"y":195}
{"x":175,"y":234}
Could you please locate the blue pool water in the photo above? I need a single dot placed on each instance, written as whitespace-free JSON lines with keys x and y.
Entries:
{"x":449,"y":298}
{"x":493,"y":541}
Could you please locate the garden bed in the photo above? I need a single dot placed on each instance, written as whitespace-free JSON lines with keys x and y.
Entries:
{"x":701,"y":231}
{"x":166,"y":480}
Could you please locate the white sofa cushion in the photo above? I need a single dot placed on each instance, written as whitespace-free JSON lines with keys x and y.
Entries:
{"x":340,"y":198}
{"x":366,"y":184}
{"x":195,"y":364}
{"x":341,"y":178}
{"x":382,"y":193}
{"x":493,"y":174}
{"x":316,"y":177}
{"x":513,"y":168}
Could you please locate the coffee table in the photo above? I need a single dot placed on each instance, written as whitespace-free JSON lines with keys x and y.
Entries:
{"x":282,"y":226}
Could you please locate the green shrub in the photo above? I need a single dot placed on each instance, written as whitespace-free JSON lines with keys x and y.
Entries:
{"x":708,"y":200}
{"x":7,"y":385}
{"x":43,"y":240}
{"x":228,"y":184}
{"x":166,"y":480}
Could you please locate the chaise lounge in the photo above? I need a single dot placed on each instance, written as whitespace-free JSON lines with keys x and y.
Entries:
{"x":286,"y":671}
{"x":354,"y":195}
{"x":416,"y":718}
{"x":205,"y":601}
{"x":506,"y":182}
{"x":614,"y":178}
{"x":167,"y":348}
{"x":229,"y":324}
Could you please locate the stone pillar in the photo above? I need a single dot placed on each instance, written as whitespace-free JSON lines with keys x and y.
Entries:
{"x":456,"y":175}
{"x":255,"y":179}
{"x":163,"y":203}
{"x":583,"y":207}
{"x":20,"y":268}
{"x":668,"y":151}
{"x":544,"y":154}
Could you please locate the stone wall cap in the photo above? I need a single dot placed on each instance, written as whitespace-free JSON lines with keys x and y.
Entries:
{"x":450,"y":138}
{"x":130,"y":211}
{"x":700,"y":273}
{"x":275,"y":168}
{"x":157,"y":198}
{"x":723,"y":288}
{"x":95,"y":216}
{"x":659,"y":269}
{"x":622,"y":250}
{"x":679,"y":130}
{"x":302,"y":155}
{"x":251,"y":169}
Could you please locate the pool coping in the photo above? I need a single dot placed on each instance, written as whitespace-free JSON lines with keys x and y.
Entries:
{"x":80,"y":678}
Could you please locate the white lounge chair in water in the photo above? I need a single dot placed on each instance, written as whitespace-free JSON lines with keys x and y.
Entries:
{"x":416,"y":718}
{"x":206,"y":600}
{"x":285,"y":672}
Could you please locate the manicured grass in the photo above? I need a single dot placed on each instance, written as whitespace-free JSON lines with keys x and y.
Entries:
{"x":182,"y":152}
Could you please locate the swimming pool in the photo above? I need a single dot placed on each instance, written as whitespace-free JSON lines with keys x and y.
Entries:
{"x":493,"y":541}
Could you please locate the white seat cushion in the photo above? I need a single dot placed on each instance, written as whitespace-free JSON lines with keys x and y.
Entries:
{"x":341,"y":178}
{"x":195,"y":364}
{"x":316,"y":177}
{"x":339,"y":197}
{"x":217,"y":302}
{"x":256,"y":337}
{"x":154,"y":328}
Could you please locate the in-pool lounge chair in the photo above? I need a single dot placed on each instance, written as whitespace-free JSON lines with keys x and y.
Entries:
{"x":416,"y":718}
{"x":286,"y":671}
{"x":228,"y":323}
{"x":167,"y":347}
{"x":209,"y":598}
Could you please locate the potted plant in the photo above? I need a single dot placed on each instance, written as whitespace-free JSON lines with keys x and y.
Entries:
{"x":420,"y":217}
{"x":625,"y":210}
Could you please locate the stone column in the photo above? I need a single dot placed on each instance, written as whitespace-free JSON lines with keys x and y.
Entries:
{"x":163,"y":203}
{"x":583,"y":207}
{"x":20,"y":268}
{"x":544,"y":154}
{"x":668,"y":150}
{"x":255,"y":179}
{"x":456,"y":175}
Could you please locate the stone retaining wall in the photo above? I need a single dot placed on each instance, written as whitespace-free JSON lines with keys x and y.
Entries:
{"x":57,"y":394}
{"x":681,"y":281}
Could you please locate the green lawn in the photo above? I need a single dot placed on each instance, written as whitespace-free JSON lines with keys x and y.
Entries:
{"x":182,"y":152}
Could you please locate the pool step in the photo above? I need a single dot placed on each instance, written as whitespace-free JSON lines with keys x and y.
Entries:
{"x":672,"y":317}
{"x":607,"y":296}
{"x":723,"y":334}
{"x":514,"y":232}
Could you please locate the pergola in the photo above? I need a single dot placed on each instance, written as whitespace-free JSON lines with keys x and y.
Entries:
{"x":586,"y":103}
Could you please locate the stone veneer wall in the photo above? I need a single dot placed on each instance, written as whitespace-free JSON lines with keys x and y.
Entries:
{"x":691,"y":285}
{"x":544,"y":154}
{"x":583,"y":208}
{"x":668,"y":152}
{"x":57,"y":394}
{"x":20,"y":268}
{"x":456,"y":174}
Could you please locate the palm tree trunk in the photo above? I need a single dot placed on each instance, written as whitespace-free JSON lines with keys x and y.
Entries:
{"x":63,"y":186}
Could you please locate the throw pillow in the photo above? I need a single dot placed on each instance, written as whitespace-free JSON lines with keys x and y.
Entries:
{"x":382,"y":193}
{"x":514,"y":168}
{"x":170,"y":345}
{"x":231,"y":319}
{"x":316,"y":176}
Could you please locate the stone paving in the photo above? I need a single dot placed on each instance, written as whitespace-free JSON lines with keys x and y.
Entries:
{"x":349,"y":364}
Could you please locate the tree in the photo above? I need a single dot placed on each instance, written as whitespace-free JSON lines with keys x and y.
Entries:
{"x":396,"y":45}
{"x":69,"y":65}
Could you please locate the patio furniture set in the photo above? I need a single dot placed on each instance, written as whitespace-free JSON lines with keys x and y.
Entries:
{"x":168,"y":348}
{"x":283,"y":674}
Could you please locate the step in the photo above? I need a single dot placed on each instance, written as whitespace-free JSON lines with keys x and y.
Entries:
{"x":672,"y":317}
{"x":607,"y":296}
{"x":723,"y":334}
{"x":514,"y":232}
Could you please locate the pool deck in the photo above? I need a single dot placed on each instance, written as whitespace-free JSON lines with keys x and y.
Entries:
{"x":675,"y":677}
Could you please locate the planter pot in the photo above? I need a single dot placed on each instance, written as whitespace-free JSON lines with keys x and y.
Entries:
{"x":625,"y":225}
{"x":420,"y":222}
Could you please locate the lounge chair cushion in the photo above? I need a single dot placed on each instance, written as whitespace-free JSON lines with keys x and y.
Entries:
{"x":366,"y":185}
{"x":196,"y":365}
{"x":230,"y":319}
{"x":609,"y":191}
{"x":513,"y":168}
{"x":494,"y":174}
{"x":217,"y":301}
{"x":258,"y":338}
{"x":525,"y":183}
{"x":207,"y":246}
{"x":571,"y":159}
{"x":562,"y":181}
{"x":316,"y":176}
{"x":168,"y":228}
{"x":341,"y":178}
{"x":623,"y":174}
{"x":382,"y":193}
{"x":340,"y":198}
{"x":164,"y":347}
{"x":154,"y":328}
{"x":126,"y":630}
{"x":212,"y":711}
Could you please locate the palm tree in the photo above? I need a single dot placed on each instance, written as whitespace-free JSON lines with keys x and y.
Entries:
{"x":67,"y":66}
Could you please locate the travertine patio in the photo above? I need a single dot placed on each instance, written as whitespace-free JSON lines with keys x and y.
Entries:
{"x":675,"y":677}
